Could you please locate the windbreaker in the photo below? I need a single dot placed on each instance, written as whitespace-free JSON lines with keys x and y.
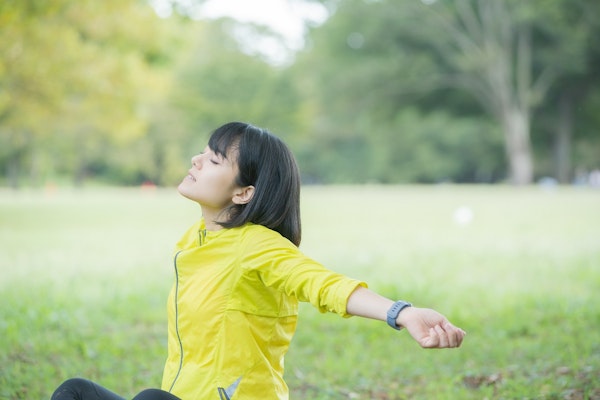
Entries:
{"x":233,"y":310}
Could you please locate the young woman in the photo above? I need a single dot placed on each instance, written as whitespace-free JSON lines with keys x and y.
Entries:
{"x":239,"y":275}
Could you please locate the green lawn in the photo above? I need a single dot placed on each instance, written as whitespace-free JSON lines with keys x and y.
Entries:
{"x":85,"y":275}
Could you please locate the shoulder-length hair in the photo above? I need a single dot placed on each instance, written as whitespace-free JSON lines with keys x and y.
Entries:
{"x":266,"y":163}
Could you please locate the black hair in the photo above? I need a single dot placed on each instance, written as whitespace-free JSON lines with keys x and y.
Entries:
{"x":265,"y":162}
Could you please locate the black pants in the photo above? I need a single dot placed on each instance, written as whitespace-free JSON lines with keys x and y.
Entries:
{"x":82,"y":389}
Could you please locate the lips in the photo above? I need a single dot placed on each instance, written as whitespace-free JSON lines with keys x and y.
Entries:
{"x":190,"y":176}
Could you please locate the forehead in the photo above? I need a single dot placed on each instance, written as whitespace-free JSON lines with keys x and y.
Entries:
{"x":229,"y":152}
{"x":230,"y":155}
{"x":225,"y":142}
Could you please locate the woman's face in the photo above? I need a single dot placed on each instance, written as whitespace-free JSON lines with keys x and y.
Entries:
{"x":211,"y":181}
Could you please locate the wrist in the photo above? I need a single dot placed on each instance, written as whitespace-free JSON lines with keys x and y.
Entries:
{"x":393,"y":314}
{"x":405,"y":316}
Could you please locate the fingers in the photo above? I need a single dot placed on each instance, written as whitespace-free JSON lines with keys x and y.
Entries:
{"x":444,"y":340}
{"x":440,"y":337}
{"x":455,"y":335}
{"x":431,"y":329}
{"x":432,"y":341}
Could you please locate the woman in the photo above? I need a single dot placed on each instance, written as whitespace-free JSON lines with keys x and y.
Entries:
{"x":239,"y":275}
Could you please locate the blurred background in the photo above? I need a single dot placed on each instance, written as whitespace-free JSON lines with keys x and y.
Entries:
{"x":386,"y":98}
{"x":124,"y":92}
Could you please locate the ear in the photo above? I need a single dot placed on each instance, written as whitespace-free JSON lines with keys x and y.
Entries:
{"x":243,"y":195}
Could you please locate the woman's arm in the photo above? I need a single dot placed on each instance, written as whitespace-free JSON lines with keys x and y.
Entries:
{"x":428,"y":327}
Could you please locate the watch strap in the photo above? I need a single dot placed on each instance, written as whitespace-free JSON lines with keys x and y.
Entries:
{"x":394,"y":311}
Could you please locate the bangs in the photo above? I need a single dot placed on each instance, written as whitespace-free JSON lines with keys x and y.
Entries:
{"x":224,"y":140}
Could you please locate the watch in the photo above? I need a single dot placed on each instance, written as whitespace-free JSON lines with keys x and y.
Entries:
{"x":394,"y":311}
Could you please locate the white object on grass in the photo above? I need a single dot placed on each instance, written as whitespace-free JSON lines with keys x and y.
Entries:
{"x":463,"y":215}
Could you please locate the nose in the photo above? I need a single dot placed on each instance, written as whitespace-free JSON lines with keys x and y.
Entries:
{"x":196,"y":161}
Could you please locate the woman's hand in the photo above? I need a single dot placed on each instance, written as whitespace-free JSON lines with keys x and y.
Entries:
{"x":430,"y":328}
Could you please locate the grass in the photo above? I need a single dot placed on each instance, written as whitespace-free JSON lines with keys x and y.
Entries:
{"x":85,"y":275}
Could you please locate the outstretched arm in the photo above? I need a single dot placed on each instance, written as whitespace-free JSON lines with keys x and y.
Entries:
{"x":428,"y":327}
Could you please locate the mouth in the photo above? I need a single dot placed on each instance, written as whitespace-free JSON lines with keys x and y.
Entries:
{"x":190,"y":177}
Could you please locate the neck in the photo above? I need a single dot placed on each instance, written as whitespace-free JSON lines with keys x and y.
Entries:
{"x":210,"y":216}
{"x":211,"y":226}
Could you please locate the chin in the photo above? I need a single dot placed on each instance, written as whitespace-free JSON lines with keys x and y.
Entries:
{"x":183,"y":191}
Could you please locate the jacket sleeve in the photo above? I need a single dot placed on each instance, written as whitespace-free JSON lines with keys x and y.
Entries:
{"x":279,"y":264}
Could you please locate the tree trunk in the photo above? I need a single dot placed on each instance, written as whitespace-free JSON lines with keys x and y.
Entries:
{"x":515,"y":124}
{"x":562,"y":144}
{"x":503,"y":82}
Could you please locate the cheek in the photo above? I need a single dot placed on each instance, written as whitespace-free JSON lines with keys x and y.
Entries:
{"x":217,"y":186}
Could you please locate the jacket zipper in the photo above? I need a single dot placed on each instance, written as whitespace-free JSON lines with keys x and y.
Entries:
{"x":177,"y":320}
{"x":201,"y":236}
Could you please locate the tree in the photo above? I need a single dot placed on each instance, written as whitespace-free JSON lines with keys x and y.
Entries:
{"x":375,"y":118}
{"x":565,"y":122}
{"x":488,"y":50}
{"x":30,"y":92}
{"x":506,"y":54}
{"x":78,"y":77}
{"x":217,"y":82}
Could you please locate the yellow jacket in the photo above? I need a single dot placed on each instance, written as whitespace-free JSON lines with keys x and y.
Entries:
{"x":233,"y":309}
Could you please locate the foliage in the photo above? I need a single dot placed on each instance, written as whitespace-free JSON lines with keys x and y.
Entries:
{"x":384,"y":91}
{"x":217,"y":83}
{"x":79,"y":78}
{"x":413,"y":147}
{"x":83,"y":293}
{"x":386,"y":56}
